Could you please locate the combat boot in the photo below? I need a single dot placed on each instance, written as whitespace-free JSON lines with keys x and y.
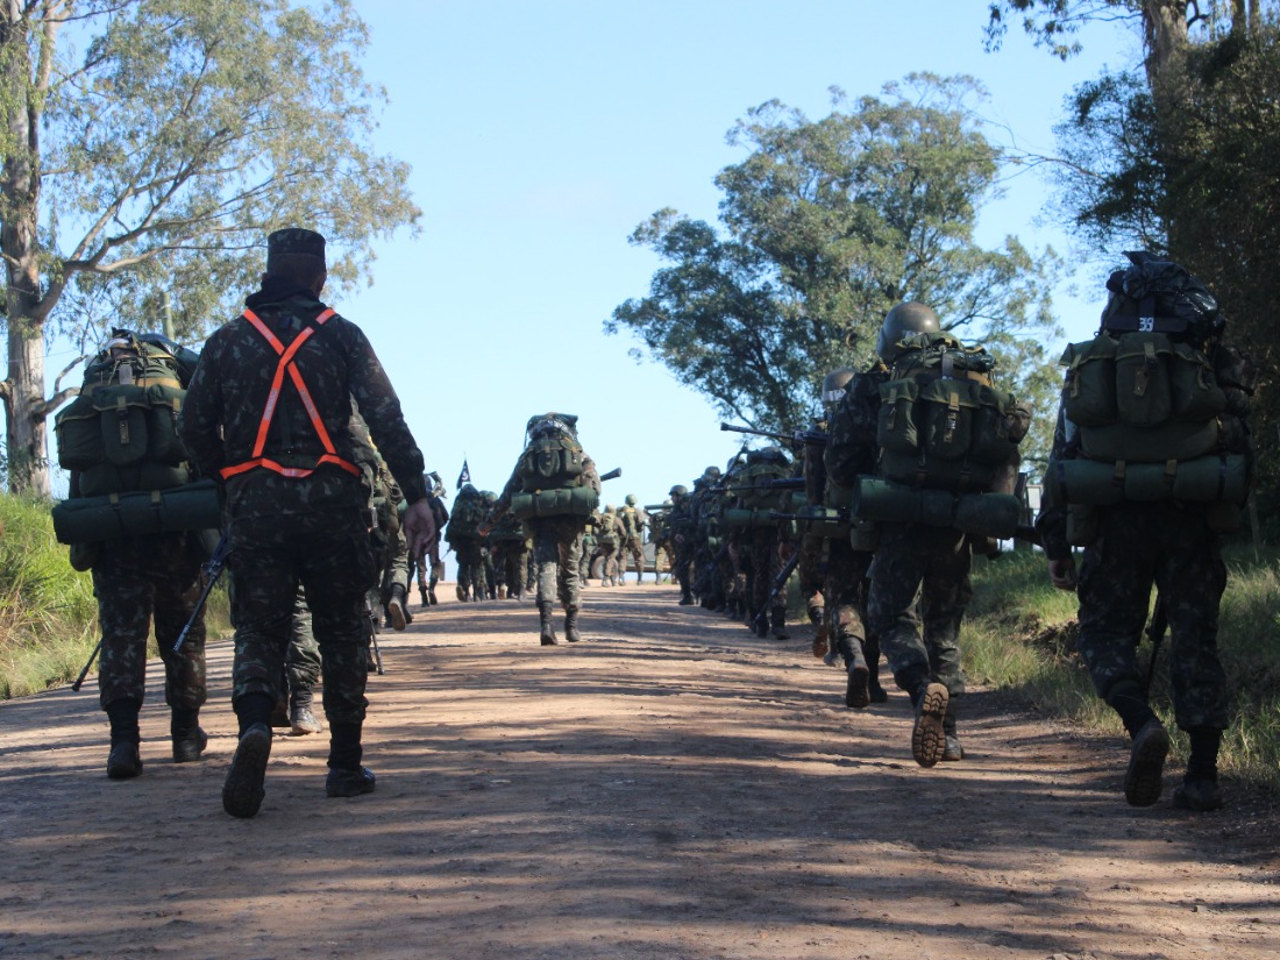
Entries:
{"x":877,"y":693}
{"x":280,"y":713}
{"x":431,"y":596}
{"x":244,"y":788}
{"x":422,"y":593}
{"x":686,"y":598}
{"x":571,"y":625}
{"x":1198,"y":795}
{"x":303,"y":720}
{"x":462,"y":594}
{"x":187,"y":738}
{"x":502,"y":592}
{"x":396,"y":611}
{"x":928,"y":737}
{"x":546,"y":632}
{"x":779,"y":618}
{"x":1199,"y":790}
{"x":124,"y":761}
{"x":953,"y":750}
{"x":1143,"y":780}
{"x":856,"y":694}
{"x":349,"y":783}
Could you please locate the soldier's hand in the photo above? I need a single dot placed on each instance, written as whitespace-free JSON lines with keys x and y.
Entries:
{"x":1062,"y":573}
{"x":420,"y":527}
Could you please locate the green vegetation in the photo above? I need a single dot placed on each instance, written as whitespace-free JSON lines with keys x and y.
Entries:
{"x":48,"y":616}
{"x":1020,"y":637}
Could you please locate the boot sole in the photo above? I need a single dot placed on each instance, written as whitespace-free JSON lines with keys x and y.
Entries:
{"x":928,"y":739}
{"x":1144,"y":780}
{"x":189,"y":751}
{"x":244,"y":788}
{"x":395,"y":610}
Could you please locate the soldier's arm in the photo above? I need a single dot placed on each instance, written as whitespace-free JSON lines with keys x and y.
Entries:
{"x":1051,"y":524}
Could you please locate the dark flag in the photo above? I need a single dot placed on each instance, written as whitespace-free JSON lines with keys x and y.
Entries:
{"x":465,"y":475}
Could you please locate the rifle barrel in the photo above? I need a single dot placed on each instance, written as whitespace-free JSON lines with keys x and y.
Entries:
{"x":611,"y":475}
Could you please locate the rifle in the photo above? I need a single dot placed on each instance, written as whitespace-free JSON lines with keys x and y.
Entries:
{"x":212,"y":569}
{"x":781,"y":483}
{"x":371,"y":616}
{"x":838,"y":514}
{"x":1155,"y":633}
{"x":89,"y":663}
{"x":611,"y":475}
{"x":779,"y":582}
{"x":806,"y":437}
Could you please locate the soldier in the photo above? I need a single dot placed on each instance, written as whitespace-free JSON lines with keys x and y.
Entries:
{"x":464,"y":538}
{"x":634,"y":522}
{"x":510,"y":549}
{"x":302,"y":667}
{"x":136,"y":577}
{"x":554,"y":487}
{"x":589,"y":549}
{"x":920,"y":564}
{"x":1166,"y":528}
{"x":268,"y":413}
{"x":683,"y":525}
{"x":608,"y":537}
{"x":427,"y":571}
{"x":664,"y":554}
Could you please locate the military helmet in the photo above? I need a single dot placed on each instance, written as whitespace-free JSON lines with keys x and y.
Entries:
{"x":679,"y":490}
{"x":610,"y":508}
{"x":834,"y":385}
{"x":631,"y":500}
{"x":552,"y":422}
{"x":904,"y":319}
{"x":711,"y":473}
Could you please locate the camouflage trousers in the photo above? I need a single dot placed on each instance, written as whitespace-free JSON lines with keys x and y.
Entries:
{"x":471,"y":572}
{"x":919,"y":591}
{"x":680,"y":568}
{"x":813,"y":550}
{"x":1169,"y":545}
{"x":302,"y":659}
{"x":330,"y":555}
{"x":394,"y":556}
{"x":510,"y":560}
{"x":133,"y":580}
{"x":634,"y":549}
{"x":845,"y":581}
{"x":557,"y":551}
{"x":760,"y":545}
{"x":608,"y":560}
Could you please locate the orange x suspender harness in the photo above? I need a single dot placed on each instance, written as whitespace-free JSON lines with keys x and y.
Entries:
{"x":286,"y":355}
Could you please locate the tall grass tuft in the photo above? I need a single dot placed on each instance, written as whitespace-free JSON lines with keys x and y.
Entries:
{"x":48,"y":614}
{"x":47,"y":610}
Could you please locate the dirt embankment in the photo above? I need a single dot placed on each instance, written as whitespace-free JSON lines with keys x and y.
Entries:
{"x":671,"y":787}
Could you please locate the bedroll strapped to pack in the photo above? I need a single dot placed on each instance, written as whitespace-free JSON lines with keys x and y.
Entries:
{"x":1158,"y":295}
{"x":1220,"y":478}
{"x":564,"y":502}
{"x":979,"y":514}
{"x":193,"y":506}
{"x":126,"y":416}
{"x":941,"y":424}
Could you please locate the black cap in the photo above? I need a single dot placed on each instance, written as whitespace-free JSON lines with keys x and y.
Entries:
{"x":294,"y":240}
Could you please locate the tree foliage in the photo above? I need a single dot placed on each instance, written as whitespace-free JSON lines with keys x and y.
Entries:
{"x":149,"y":146}
{"x":826,"y":225}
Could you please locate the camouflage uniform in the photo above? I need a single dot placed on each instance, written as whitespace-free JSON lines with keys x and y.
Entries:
{"x":461,"y":535}
{"x":682,"y":525}
{"x":588,"y":550}
{"x":608,"y":536}
{"x":557,"y":541}
{"x":633,"y":521}
{"x":510,"y":551}
{"x":302,"y":527}
{"x":1175,"y":546}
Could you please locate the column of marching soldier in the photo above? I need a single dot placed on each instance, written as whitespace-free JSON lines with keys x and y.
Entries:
{"x":287,"y":435}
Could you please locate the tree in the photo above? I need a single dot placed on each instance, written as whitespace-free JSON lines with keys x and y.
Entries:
{"x":827,"y":224}
{"x":1182,"y":157}
{"x":145,"y":160}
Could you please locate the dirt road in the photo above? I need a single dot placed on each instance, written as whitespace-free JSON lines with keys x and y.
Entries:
{"x":669,"y":788}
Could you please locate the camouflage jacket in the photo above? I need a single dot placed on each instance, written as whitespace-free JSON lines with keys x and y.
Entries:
{"x":852,"y":450}
{"x":229,"y":393}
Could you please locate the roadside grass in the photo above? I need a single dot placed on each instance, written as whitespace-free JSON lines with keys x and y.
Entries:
{"x":1019,"y":636}
{"x":48,"y":614}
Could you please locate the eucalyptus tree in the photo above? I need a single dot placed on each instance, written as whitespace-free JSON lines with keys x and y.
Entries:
{"x":147,"y":147}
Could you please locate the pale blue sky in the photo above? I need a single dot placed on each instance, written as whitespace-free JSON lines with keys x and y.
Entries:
{"x":541,"y":133}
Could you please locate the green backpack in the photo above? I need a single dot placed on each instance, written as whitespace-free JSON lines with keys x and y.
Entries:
{"x":942,"y":424}
{"x":468,"y":512}
{"x":552,"y":460}
{"x":121,"y":433}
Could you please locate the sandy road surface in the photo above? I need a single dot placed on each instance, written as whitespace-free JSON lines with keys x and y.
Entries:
{"x":671,"y":787}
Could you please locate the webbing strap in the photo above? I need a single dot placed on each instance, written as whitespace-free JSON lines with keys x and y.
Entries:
{"x":286,"y":363}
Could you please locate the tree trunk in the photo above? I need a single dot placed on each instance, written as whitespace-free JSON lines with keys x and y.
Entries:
{"x":25,"y":410}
